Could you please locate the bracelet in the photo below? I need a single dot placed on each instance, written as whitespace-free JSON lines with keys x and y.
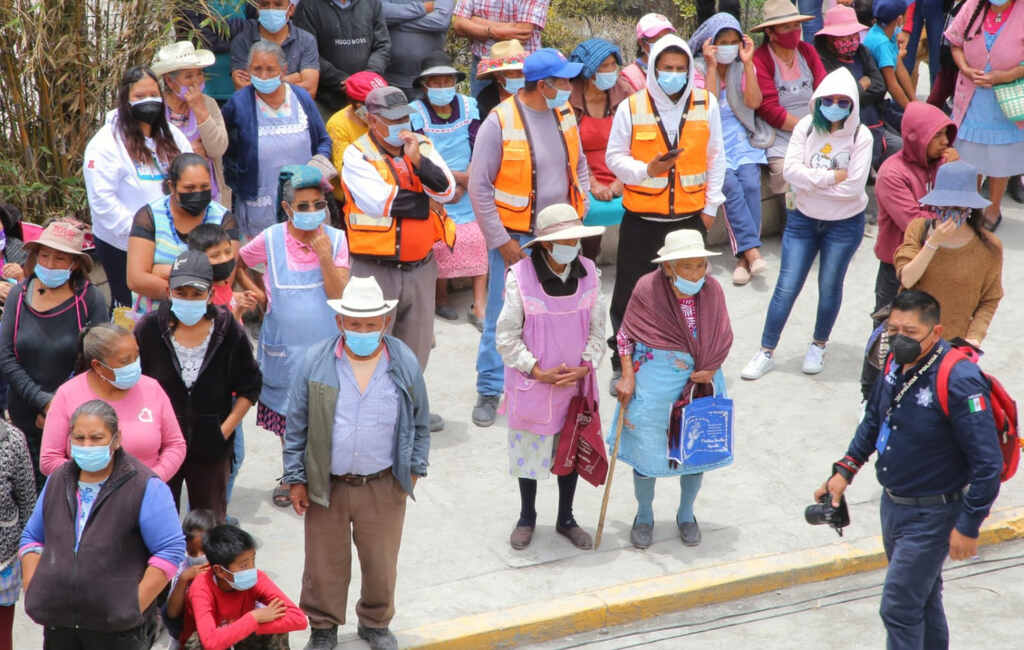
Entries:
{"x":930,"y":245}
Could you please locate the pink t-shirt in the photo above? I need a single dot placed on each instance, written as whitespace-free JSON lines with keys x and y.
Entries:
{"x":149,"y":429}
{"x":298,"y":256}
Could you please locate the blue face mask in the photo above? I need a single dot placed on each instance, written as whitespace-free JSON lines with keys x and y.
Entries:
{"x":273,"y":20}
{"x":265,"y":86}
{"x":362,"y":344}
{"x":687,"y":287}
{"x":441,"y":96}
{"x":52,"y":278}
{"x":309,"y":220}
{"x":605,"y":80}
{"x":243,"y":580}
{"x":188,"y":312}
{"x":997,"y":3}
{"x":514,"y":84}
{"x":91,"y":459}
{"x":394,"y":130}
{"x":561,"y":96}
{"x":126,"y":376}
{"x":834,"y":113}
{"x":671,"y":82}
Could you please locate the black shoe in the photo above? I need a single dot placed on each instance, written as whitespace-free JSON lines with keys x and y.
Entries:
{"x":486,"y":410}
{"x":446,"y":312}
{"x":1016,"y":188}
{"x":689,"y":532}
{"x":379,"y":638}
{"x":642,"y":535}
{"x":436,"y":423}
{"x":322,"y":638}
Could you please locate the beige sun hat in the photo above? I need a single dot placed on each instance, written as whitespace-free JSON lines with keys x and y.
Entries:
{"x":66,"y":236}
{"x":682,"y":245}
{"x":504,"y":55}
{"x":181,"y":56}
{"x":559,"y":221}
{"x":780,"y":12}
{"x":362,"y":298}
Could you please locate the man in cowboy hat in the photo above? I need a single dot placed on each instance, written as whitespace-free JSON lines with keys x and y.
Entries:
{"x":357,"y":441}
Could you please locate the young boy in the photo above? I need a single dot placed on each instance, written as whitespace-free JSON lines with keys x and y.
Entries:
{"x":880,"y":41}
{"x":195,"y":525}
{"x":233,"y":604}
{"x":213,"y":240}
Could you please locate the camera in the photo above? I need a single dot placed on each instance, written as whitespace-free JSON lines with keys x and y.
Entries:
{"x":823,"y":512}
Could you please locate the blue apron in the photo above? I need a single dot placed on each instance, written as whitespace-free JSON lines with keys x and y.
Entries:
{"x":451,"y":139}
{"x":299,"y":317}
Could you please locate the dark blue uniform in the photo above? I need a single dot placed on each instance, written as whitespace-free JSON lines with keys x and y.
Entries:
{"x":927,"y":454}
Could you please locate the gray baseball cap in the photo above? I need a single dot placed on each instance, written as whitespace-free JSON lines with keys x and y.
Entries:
{"x":388,"y":102}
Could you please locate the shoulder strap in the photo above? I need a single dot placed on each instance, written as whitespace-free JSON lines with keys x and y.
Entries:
{"x":952,"y":358}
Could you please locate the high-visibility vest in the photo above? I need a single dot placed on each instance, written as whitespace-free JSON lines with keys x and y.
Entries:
{"x":515,"y":187}
{"x":394,"y":238}
{"x":679,"y":191}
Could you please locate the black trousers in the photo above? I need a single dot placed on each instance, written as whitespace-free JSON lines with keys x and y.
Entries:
{"x":207,"y":485}
{"x":887,"y":285}
{"x":115,"y":265}
{"x":639,"y":241}
{"x":68,"y":638}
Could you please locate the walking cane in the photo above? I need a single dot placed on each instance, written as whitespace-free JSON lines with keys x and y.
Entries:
{"x":611,"y":471}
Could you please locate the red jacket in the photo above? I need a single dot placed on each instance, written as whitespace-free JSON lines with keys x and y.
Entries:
{"x":770,"y":110}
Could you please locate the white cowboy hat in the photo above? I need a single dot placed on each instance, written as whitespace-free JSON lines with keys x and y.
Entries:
{"x":362,"y":298}
{"x":682,"y":245}
{"x":181,"y":56}
{"x":560,"y":221}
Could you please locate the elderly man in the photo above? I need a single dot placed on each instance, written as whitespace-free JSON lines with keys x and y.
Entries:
{"x":394,"y":184}
{"x":357,"y":441}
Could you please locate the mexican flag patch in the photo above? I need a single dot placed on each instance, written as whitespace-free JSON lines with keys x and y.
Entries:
{"x":976,"y":403}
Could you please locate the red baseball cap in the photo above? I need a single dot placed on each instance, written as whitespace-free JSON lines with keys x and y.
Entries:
{"x":359,"y":85}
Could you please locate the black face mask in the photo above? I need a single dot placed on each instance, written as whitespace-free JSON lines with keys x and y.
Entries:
{"x":194,"y":202}
{"x":148,"y":110}
{"x":905,"y":349}
{"x":222,"y":271}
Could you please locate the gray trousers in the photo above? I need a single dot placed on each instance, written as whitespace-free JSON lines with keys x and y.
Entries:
{"x":413,"y":319}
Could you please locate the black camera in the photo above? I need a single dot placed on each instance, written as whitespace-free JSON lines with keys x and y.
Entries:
{"x":823,"y":512}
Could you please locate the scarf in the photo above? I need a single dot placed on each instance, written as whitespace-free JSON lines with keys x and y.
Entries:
{"x":710,"y":28}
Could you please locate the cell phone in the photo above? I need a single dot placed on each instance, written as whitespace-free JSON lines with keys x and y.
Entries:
{"x":671,"y":153}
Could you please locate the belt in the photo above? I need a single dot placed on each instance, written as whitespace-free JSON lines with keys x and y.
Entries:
{"x":936,"y":500}
{"x":360,"y":479}
{"x":395,"y":264}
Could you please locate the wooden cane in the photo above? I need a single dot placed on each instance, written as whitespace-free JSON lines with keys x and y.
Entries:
{"x":611,"y":471}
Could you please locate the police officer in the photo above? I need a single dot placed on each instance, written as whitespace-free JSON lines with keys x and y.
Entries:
{"x":925,"y":461}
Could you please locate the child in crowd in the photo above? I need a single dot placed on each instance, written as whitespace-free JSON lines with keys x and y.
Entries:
{"x":234,"y":605}
{"x":194,"y":526}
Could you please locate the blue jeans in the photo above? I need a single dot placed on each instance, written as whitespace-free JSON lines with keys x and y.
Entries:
{"x":929,"y":14}
{"x":476,"y":85}
{"x":916,"y":542}
{"x":742,"y":189}
{"x":802,"y":240}
{"x":236,"y":462}
{"x":811,"y":27}
{"x":490,"y":370}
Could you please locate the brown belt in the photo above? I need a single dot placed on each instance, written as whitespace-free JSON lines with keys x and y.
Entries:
{"x":360,"y":479}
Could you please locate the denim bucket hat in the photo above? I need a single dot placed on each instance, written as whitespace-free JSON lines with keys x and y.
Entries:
{"x":956,"y":185}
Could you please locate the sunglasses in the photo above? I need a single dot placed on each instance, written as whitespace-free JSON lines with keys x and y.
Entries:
{"x":308,"y":207}
{"x":841,"y":103}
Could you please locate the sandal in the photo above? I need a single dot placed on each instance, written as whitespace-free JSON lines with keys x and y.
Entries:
{"x":992,"y":225}
{"x":282,"y":496}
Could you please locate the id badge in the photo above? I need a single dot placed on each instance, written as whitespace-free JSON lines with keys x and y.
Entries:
{"x":883,"y":437}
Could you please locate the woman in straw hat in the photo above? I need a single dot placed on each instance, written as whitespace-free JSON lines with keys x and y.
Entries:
{"x":674,"y":338}
{"x":550,"y":334}
{"x":42,"y":320}
{"x":504,"y":66}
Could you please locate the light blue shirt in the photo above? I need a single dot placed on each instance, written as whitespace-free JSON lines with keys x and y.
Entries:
{"x":738,"y":150}
{"x":882,"y":47}
{"x":364,"y":438}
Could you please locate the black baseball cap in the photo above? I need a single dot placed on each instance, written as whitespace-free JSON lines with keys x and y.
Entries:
{"x":191,"y":269}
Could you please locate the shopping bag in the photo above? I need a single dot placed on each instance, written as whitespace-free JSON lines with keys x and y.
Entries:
{"x":706,"y":434}
{"x":580,"y":442}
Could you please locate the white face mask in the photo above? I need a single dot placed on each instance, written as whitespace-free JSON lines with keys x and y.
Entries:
{"x":564,"y":254}
{"x":726,"y":54}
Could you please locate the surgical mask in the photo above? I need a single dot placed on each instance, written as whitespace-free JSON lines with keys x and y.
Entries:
{"x":188,"y":312}
{"x":834,"y":112}
{"x":309,"y":220}
{"x":222,"y":270}
{"x":148,"y":109}
{"x":787,"y":40}
{"x":564,"y":254}
{"x":996,"y":3}
{"x":441,"y":96}
{"x":195,"y":203}
{"x":561,"y":96}
{"x":243,"y":580}
{"x":513,"y":85}
{"x":273,"y":20}
{"x":671,"y":82}
{"x":394,"y":137}
{"x":91,"y":459}
{"x":726,"y":54}
{"x":195,"y":561}
{"x":265,"y":86}
{"x":687,"y":287}
{"x":126,"y":376}
{"x":362,"y":344}
{"x":52,"y":278}
{"x":605,"y":80}
{"x":904,"y":349}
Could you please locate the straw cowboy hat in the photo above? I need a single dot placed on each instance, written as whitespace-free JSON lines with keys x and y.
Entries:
{"x":504,"y":55}
{"x":682,"y":245}
{"x":560,"y":221}
{"x":780,"y":12}
{"x":181,"y":56}
{"x":362,"y":298}
{"x":65,"y":236}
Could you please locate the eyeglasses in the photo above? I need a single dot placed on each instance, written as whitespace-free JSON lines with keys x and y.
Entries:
{"x":841,"y":103}
{"x":309,"y":207}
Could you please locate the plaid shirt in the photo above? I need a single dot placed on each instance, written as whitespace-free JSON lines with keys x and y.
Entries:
{"x":534,"y":12}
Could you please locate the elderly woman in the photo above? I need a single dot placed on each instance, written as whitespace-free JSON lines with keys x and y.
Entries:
{"x":504,"y":64}
{"x":92,"y":574}
{"x":674,"y":338}
{"x":987,"y":39}
{"x":272,"y":124}
{"x":124,"y":167}
{"x":41,"y":323}
{"x":110,"y":370}
{"x":17,"y":498}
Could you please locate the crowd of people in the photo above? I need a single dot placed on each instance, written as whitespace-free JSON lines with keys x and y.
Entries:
{"x":320,"y":175}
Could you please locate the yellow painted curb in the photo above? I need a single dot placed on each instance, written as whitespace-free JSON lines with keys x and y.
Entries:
{"x":643,"y":599}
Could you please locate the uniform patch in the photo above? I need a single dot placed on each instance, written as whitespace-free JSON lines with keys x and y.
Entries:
{"x":924,"y":397}
{"x":976,"y":403}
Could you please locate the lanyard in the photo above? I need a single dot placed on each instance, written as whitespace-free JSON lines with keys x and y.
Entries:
{"x":908,"y":385}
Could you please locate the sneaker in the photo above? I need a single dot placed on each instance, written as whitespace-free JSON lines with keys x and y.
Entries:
{"x":436,"y":423}
{"x":323,"y":638}
{"x":485,"y":411}
{"x":757,"y":367}
{"x":379,"y":638}
{"x":814,"y":360}
{"x":740,"y":275}
{"x":616,"y":376}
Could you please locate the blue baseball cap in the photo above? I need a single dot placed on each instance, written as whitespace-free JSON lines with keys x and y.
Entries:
{"x":548,"y":62}
{"x":886,"y":11}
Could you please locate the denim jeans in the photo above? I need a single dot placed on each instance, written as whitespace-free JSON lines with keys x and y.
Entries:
{"x":742,"y":189}
{"x":802,"y":241}
{"x":811,"y":27}
{"x":236,"y":461}
{"x":916,"y":541}
{"x":928,"y":14}
{"x":476,"y":85}
{"x":490,"y":370}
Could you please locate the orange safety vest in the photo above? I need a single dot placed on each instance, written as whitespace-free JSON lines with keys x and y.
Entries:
{"x":387,"y":237}
{"x":679,"y":191}
{"x":515,"y":187}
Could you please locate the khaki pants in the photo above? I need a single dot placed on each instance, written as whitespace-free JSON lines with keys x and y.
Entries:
{"x":776,"y":183}
{"x":370,"y":515}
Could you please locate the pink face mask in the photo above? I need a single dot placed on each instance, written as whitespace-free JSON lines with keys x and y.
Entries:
{"x":846,"y":45}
